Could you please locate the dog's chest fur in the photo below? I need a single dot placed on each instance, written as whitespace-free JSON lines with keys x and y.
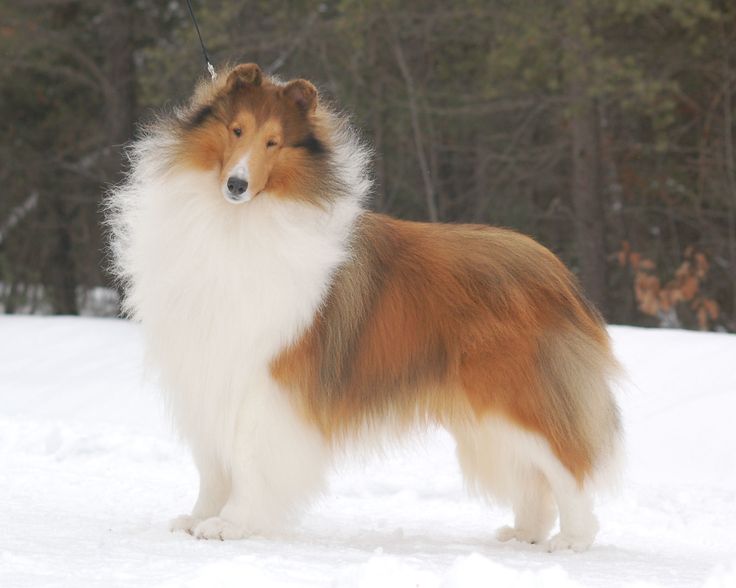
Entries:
{"x":221,"y":290}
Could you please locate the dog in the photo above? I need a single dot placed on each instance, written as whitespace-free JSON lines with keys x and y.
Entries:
{"x":288,"y":322}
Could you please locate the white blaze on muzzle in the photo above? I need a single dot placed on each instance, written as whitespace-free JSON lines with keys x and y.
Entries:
{"x":236,"y":189}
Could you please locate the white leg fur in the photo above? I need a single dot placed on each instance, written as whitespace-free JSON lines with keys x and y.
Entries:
{"x":503,"y":462}
{"x":279,"y":465}
{"x":578,"y":524}
{"x":534,"y":510}
{"x":214,"y":490}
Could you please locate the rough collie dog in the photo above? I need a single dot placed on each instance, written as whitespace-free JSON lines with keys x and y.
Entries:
{"x":287,"y":321}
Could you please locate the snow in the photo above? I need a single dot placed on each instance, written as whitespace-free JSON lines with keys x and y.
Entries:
{"x":90,"y":474}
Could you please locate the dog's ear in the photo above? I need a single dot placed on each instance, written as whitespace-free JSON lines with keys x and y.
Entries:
{"x":245,"y":74}
{"x":303,"y":93}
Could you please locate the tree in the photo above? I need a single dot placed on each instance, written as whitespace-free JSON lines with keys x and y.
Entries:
{"x":587,"y":197}
{"x":586,"y":124}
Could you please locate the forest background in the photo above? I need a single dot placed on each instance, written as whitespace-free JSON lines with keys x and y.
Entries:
{"x":605,"y":129}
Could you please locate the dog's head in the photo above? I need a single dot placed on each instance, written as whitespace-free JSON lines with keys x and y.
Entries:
{"x":260,"y":136}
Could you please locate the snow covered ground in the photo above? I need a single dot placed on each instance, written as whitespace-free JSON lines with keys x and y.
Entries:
{"x":90,"y":474}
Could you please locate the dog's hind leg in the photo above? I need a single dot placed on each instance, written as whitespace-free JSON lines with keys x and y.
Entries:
{"x":533,"y":479}
{"x":578,"y":523}
{"x":534,"y":509}
{"x":498,"y":463}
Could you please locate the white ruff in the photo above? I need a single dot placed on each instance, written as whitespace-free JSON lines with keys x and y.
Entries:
{"x":220,"y":290}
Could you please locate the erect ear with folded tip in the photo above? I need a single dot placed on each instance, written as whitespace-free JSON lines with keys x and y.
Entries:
{"x":303,"y":93}
{"x":245,"y":74}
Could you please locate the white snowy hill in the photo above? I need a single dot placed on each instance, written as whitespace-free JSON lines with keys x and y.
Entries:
{"x":90,"y":473}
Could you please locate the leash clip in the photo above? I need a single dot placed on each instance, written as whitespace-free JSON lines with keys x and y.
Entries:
{"x":210,"y":67}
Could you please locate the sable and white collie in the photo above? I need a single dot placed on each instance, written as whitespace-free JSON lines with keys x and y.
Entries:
{"x":287,"y":321}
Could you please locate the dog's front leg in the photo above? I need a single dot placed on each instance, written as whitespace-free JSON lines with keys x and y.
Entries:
{"x":278,"y":465}
{"x":214,"y":489}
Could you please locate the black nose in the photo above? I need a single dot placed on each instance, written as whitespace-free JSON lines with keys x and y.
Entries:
{"x":236,"y":186}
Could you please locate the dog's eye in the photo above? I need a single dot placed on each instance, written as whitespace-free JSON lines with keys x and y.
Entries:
{"x":237,"y":131}
{"x":271,"y":143}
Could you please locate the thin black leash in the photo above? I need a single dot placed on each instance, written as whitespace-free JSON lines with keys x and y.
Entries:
{"x":210,"y":67}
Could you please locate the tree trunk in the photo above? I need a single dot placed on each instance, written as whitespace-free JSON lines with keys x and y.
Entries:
{"x":587,"y":197}
{"x":429,"y":188}
{"x":117,"y":40}
{"x":62,"y":266}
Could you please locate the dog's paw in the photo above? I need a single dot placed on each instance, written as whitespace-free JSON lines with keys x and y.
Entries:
{"x":184,"y":523}
{"x":218,"y":528}
{"x":563,"y":541}
{"x":527,"y":536}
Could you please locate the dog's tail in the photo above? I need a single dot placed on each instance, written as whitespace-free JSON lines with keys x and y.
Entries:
{"x":577,"y":372}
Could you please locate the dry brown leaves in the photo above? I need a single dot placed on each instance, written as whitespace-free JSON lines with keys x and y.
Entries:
{"x":682,"y":291}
